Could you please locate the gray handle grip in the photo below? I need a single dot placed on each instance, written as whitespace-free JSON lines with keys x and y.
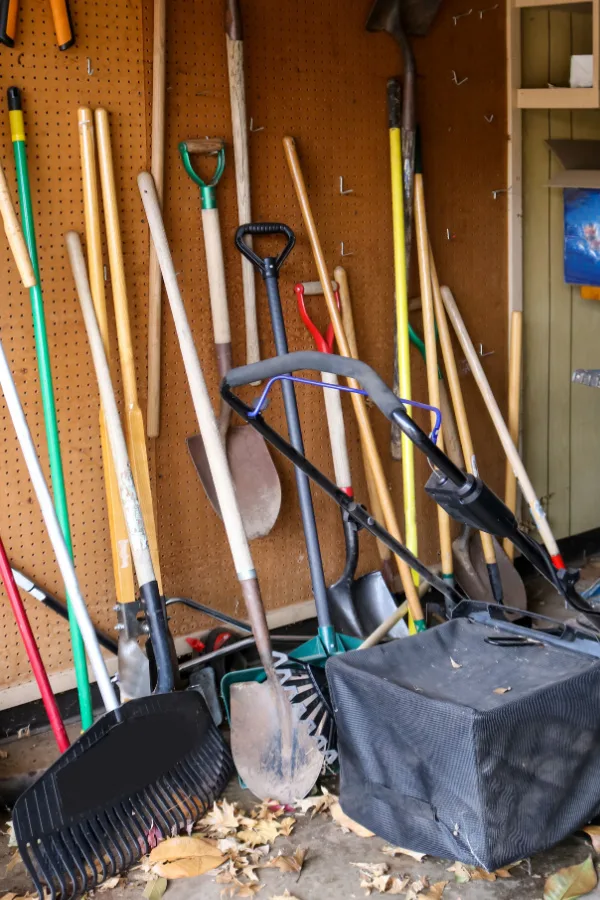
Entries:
{"x":381,"y":395}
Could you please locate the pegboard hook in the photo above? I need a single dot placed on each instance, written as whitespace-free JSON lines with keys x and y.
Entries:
{"x":461,"y":16}
{"x":455,"y":78}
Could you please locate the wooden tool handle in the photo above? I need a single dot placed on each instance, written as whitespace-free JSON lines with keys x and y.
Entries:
{"x":358,"y":400}
{"x":14,"y":235}
{"x":215,"y":267}
{"x":433,"y":382}
{"x":239,"y":122}
{"x":9,"y":14}
{"x":119,"y":541}
{"x":157,"y":167}
{"x":115,"y":255}
{"x":337,"y":433}
{"x":536,"y":508}
{"x":207,"y":422}
{"x":315,"y":288}
{"x":514,"y":411}
{"x":204,"y":146}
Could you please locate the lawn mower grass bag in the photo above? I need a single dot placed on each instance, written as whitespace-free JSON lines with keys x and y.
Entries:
{"x":478,"y":740}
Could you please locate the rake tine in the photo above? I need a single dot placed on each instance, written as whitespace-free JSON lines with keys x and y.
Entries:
{"x":163,"y":789}
{"x":109,"y":832}
{"x":186,"y":793}
{"x":105,"y":852}
{"x":28,"y":859}
{"x":157,"y":818}
{"x":96,"y":847}
{"x":119,"y":839}
{"x":80,"y":841}
{"x":126,"y":818}
{"x":143,"y":821}
{"x":53,"y":876}
{"x":180,"y":794}
{"x":71,"y":864}
{"x":192,"y":788}
{"x":195,"y":767}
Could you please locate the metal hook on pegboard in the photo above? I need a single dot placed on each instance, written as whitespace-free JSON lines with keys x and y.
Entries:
{"x":456,"y":80}
{"x":461,"y":16}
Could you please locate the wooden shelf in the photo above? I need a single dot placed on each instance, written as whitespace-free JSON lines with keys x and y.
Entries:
{"x":551,"y":97}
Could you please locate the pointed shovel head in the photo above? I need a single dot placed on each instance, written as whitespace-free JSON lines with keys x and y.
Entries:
{"x":408,"y":16}
{"x":472,"y":575}
{"x":255,"y":478}
{"x":272,"y":750}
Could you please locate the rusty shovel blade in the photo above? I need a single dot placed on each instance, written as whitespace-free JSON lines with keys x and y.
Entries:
{"x":272,"y":750}
{"x":255,"y":478}
{"x":397,"y":16}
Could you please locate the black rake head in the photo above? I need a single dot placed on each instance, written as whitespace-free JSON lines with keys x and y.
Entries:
{"x":306,"y":688}
{"x":140,"y":774}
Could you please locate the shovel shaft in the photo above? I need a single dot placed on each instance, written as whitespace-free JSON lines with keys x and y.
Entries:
{"x":46,"y":387}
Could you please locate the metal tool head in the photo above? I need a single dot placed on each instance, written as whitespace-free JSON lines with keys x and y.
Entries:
{"x":149,"y":769}
{"x":471,"y":571}
{"x":274,"y":753}
{"x":255,"y":478}
{"x":397,"y":16}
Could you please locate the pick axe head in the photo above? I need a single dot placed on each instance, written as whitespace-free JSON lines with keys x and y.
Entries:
{"x":397,"y":16}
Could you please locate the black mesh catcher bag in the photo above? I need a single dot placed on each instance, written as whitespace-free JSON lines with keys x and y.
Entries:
{"x":437,"y":756}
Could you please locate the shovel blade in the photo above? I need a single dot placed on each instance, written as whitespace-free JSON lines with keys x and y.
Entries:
{"x":472,"y":575}
{"x":255,"y":478}
{"x":410,"y":16}
{"x":272,"y":750}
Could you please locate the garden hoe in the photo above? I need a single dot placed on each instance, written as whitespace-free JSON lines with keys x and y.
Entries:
{"x":273,"y":751}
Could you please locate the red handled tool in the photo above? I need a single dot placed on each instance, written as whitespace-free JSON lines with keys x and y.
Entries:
{"x":33,"y":654}
{"x":333,"y":400}
{"x":61,"y":14}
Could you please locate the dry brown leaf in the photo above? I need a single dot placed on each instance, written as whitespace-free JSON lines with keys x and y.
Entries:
{"x":454,"y":664}
{"x":223,"y":818}
{"x":8,"y":896}
{"x":572,"y":882}
{"x":594,"y":832}
{"x":287,"y":825}
{"x":110,"y":883}
{"x":239,"y":889}
{"x":287,"y":863}
{"x":189,"y":867}
{"x":372,"y":869}
{"x":227,"y":875}
{"x":263,"y":832}
{"x":23,"y":732}
{"x":318,"y":804}
{"x":228,"y":845}
{"x":348,"y":824}
{"x":505,"y":872}
{"x":416,"y":888}
{"x":461,"y":872}
{"x":285,"y":896}
{"x":400,"y":851}
{"x":249,"y":873}
{"x":3,"y":754}
{"x":184,"y":848}
{"x":14,"y":861}
{"x":502,"y":690}
{"x":436,"y":891}
{"x":155,"y":888}
{"x":397,"y":885}
{"x":12,"y":841}
{"x":478,"y":874}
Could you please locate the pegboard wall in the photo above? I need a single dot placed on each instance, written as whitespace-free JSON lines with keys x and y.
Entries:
{"x":313,"y":72}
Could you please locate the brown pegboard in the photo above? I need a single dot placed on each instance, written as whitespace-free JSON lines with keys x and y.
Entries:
{"x":313,"y":72}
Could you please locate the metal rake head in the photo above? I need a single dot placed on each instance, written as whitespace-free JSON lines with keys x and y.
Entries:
{"x":142,"y":773}
{"x":306,"y":687}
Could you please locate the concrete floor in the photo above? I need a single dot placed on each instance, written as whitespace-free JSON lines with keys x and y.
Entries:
{"x":327,"y":872}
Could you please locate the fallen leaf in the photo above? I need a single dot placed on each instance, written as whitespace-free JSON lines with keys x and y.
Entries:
{"x":263,"y":833}
{"x":228,"y":845}
{"x":372,"y":869}
{"x":454,"y":664}
{"x":8,"y":896}
{"x":345,"y":822}
{"x":155,"y":888}
{"x":318,"y":804}
{"x":239,"y":889}
{"x":14,"y":861}
{"x":416,"y":888}
{"x":397,"y":885}
{"x":435,"y":891}
{"x":227,"y":875}
{"x":188,"y":867}
{"x":594,"y":832}
{"x":23,"y":732}
{"x":110,"y":883}
{"x":285,"y":896}
{"x":249,"y":873}
{"x":505,"y":872}
{"x":400,"y":851}
{"x":461,"y":873}
{"x":154,"y":836}
{"x":184,"y":848}
{"x":478,"y":874}
{"x":572,"y":882}
{"x":287,"y":825}
{"x":3,"y":754}
{"x":222,"y":818}
{"x":287,"y":863}
{"x":12,"y":841}
{"x":502,"y":690}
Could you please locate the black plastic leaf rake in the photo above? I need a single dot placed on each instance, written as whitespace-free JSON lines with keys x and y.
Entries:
{"x":145,"y":770}
{"x":464,"y":497}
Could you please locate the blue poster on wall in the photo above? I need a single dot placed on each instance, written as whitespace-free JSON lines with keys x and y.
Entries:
{"x":582,"y":236}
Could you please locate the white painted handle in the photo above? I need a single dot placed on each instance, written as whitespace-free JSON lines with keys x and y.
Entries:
{"x":63,"y":557}
{"x":216,"y":275}
{"x":132,"y":512}
{"x":337,"y":432}
{"x":537,"y":511}
{"x":215,"y":451}
{"x":239,"y":125}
